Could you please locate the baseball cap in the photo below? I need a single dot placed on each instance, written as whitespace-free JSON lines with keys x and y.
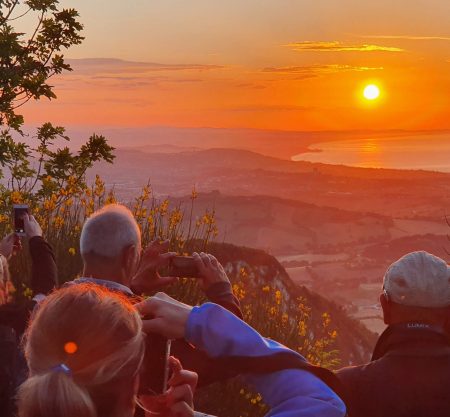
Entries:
{"x":419,"y":279}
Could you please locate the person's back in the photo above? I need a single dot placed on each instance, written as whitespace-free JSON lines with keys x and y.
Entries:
{"x":410,"y":379}
{"x":409,"y":375}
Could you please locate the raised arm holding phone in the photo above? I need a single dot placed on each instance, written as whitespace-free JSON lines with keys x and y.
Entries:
{"x":14,"y":316}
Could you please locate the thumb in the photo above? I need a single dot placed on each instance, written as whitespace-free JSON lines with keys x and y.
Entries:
{"x":163,"y":281}
{"x":156,"y":325}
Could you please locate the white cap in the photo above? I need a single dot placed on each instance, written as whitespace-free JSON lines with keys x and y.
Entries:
{"x":419,"y":279}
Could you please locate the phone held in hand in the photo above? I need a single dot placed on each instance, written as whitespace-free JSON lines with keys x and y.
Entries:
{"x":155,"y":369}
{"x":19,"y":210}
{"x":183,"y":266}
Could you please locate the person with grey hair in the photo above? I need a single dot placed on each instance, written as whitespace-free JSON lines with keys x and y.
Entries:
{"x":409,"y":373}
{"x":110,"y":246}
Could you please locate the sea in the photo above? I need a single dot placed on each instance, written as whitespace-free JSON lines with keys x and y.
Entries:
{"x":427,"y":152}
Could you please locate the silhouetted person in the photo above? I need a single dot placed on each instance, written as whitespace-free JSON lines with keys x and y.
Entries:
{"x":409,"y":374}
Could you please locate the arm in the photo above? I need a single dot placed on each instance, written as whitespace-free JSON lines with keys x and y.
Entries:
{"x":289,"y":392}
{"x":215,"y":283}
{"x":44,"y":274}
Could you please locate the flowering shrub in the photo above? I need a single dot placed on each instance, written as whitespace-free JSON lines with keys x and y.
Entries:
{"x":61,"y":212}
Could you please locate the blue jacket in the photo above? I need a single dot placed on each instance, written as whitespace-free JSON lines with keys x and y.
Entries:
{"x":290,"y":392}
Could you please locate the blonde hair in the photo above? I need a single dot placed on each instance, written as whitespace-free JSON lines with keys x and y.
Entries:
{"x":104,"y":334}
{"x":6,"y":285}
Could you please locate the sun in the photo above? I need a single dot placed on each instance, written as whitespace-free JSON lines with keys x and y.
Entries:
{"x":371,"y":92}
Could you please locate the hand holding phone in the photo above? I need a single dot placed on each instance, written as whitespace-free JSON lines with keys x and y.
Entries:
{"x":19,"y":226}
{"x":9,"y":245}
{"x":183,"y":266}
{"x":155,"y":369}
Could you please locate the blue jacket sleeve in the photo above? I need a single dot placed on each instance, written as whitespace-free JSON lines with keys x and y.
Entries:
{"x":290,"y":392}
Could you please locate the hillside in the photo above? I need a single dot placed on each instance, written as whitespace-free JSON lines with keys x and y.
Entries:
{"x":287,"y":226}
{"x":395,"y":193}
{"x":354,"y":341}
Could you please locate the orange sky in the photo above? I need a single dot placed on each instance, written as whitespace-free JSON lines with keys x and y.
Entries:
{"x":279,"y":64}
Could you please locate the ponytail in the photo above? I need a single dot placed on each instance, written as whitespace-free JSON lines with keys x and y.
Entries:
{"x":54,"y":394}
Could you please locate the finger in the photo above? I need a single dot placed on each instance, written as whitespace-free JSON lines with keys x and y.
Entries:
{"x":184,"y":377}
{"x":163,"y":296}
{"x":159,"y":246}
{"x":175,"y":364}
{"x":198,"y":261}
{"x":180,"y":393}
{"x":165,"y":258}
{"x":181,"y":409}
{"x":213,"y":260}
{"x":206,"y":260}
{"x":11,"y":237}
{"x":148,"y":307}
{"x":164,"y":281}
{"x":157,"y":325}
{"x":168,"y":255}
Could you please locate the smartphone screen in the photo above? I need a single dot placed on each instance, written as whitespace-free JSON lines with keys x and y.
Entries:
{"x":19,"y":211}
{"x":155,"y":373}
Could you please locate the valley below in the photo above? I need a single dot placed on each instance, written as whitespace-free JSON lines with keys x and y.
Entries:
{"x":335,"y":229}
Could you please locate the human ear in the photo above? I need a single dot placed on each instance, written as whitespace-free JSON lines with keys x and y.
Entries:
{"x":130,"y":260}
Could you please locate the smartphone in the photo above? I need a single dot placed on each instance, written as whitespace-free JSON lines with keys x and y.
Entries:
{"x":183,"y":266}
{"x":19,"y":211}
{"x":155,"y":369}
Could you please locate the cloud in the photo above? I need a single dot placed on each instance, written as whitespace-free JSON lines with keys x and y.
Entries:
{"x":336,"y":46}
{"x":110,"y":72}
{"x":312,"y":71}
{"x":252,"y":86}
{"x":263,"y":108}
{"x":112,"y":66}
{"x":409,"y":38}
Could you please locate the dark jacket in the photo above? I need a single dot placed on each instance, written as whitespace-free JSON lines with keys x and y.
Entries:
{"x":13,"y":321}
{"x":408,"y":376}
{"x":43,"y":280}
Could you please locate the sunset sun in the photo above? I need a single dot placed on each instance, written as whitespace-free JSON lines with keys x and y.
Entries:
{"x":371,"y":92}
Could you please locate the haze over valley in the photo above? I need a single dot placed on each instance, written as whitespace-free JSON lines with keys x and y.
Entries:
{"x":334,"y":228}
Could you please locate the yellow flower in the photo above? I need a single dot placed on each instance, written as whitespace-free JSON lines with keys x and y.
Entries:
{"x":72,"y":251}
{"x":27,"y":293}
{"x":16,"y":197}
{"x":163,"y":207}
{"x":266,"y":288}
{"x":278,"y":297}
{"x":58,"y":222}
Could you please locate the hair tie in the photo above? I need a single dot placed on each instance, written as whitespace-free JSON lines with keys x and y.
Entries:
{"x":62,"y":367}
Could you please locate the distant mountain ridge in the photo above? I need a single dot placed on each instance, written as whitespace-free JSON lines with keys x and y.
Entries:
{"x":237,"y":172}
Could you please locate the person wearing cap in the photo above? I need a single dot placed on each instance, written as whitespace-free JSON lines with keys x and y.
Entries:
{"x":409,"y":373}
